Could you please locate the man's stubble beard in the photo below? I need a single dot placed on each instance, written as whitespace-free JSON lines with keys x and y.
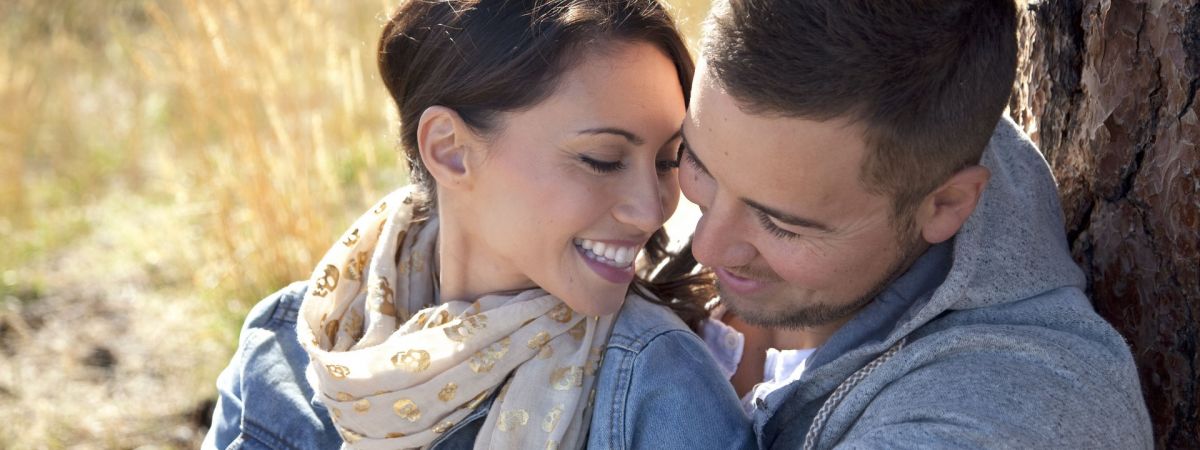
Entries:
{"x":809,"y":316}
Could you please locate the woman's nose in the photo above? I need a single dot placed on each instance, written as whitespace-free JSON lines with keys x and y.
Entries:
{"x":642,"y":203}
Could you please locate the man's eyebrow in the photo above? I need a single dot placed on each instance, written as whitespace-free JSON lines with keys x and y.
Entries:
{"x":777,"y":214}
{"x":687,"y":148}
{"x":628,"y":135}
{"x":787,"y":218}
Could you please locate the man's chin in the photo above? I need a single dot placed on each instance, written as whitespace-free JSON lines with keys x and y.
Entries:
{"x":779,"y":313}
{"x":757,"y":312}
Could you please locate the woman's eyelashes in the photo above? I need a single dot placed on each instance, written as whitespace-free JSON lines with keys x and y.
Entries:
{"x":662,"y":166}
{"x":666,"y":165}
{"x":601,"y":166}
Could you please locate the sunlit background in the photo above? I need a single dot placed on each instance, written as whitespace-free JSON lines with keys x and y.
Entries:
{"x":164,"y":165}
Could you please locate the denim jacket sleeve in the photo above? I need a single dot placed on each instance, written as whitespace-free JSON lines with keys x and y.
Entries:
{"x":660,"y":388}
{"x":264,"y":400}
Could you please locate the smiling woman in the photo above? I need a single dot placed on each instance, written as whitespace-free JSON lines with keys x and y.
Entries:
{"x":510,"y":283}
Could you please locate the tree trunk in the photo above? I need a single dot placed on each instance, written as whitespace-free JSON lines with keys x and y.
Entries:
{"x":1107,"y":88}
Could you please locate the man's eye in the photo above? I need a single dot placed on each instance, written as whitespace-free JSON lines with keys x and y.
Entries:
{"x":770,"y":226}
{"x":686,"y":155}
{"x":602,"y":166}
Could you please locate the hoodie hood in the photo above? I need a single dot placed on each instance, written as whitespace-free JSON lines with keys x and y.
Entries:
{"x":1013,"y":245}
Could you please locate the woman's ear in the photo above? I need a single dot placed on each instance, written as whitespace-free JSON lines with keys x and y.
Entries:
{"x":444,"y":141}
{"x":945,"y":209}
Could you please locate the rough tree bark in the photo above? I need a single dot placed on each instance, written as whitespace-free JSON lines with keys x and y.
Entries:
{"x":1107,"y":89}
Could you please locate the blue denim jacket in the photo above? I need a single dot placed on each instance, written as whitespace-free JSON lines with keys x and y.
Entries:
{"x":658,"y":387}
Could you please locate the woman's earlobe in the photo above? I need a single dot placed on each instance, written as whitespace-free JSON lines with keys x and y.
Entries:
{"x":440,"y":142}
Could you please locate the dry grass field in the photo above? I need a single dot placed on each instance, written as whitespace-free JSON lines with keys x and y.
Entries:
{"x":164,"y":164}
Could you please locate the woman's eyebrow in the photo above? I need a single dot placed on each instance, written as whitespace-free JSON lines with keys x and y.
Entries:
{"x":630,"y":136}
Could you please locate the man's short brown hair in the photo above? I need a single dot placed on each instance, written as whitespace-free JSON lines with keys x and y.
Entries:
{"x":929,"y":79}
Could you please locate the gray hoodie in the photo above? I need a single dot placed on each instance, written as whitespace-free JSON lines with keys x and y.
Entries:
{"x":988,"y":341}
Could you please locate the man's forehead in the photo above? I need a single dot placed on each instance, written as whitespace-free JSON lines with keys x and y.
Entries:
{"x":787,"y":159}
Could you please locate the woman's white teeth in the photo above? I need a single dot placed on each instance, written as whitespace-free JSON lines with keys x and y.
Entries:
{"x":608,"y":254}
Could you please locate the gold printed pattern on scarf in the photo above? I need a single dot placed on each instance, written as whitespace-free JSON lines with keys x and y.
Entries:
{"x":483,"y":360}
{"x":362,"y":406}
{"x":546,"y":352}
{"x":579,"y":330}
{"x":336,"y":413}
{"x":350,"y":437}
{"x":407,"y":410}
{"x":338,"y":371}
{"x":595,"y":358}
{"x":351,"y":238}
{"x":478,"y":400}
{"x":353,"y":326}
{"x":354,"y":271}
{"x":343,"y":397}
{"x":422,"y":318}
{"x":326,"y":282}
{"x":552,"y":445}
{"x":381,"y":208}
{"x":447,"y":392}
{"x":388,"y":308}
{"x":443,"y":427}
{"x":466,"y":328}
{"x":415,"y":263}
{"x":561,"y":313}
{"x":383,"y":291}
{"x":331,"y":328}
{"x":442,"y":318}
{"x":395,"y":435}
{"x":538,"y":340}
{"x":510,"y":420}
{"x":411,"y":360}
{"x":552,"y":418}
{"x":564,"y":378}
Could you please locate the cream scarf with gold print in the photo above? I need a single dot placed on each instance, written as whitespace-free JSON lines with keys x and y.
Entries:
{"x":397,"y":371}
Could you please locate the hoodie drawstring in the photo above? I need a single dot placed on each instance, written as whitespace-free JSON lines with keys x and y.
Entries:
{"x":810,"y":439}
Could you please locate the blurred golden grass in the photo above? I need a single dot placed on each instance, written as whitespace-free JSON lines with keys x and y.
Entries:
{"x":261,"y":126}
{"x":163,"y":165}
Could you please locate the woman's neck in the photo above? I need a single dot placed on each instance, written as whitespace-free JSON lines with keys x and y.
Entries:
{"x":466,"y":270}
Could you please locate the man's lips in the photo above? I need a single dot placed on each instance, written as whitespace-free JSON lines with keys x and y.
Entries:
{"x":738,"y":284}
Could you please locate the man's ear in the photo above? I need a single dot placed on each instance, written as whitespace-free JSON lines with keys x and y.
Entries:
{"x":945,"y":209}
{"x":444,"y":141}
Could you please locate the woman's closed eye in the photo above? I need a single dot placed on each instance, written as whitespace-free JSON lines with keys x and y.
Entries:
{"x":602,"y":166}
{"x":665,"y":166}
{"x":662,"y":166}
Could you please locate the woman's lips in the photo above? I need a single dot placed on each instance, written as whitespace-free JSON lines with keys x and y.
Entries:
{"x":617,"y":269}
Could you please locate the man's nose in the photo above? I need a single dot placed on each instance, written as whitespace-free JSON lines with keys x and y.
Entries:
{"x":720,"y":238}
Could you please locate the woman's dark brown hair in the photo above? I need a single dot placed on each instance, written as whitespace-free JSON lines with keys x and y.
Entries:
{"x":482,"y":58}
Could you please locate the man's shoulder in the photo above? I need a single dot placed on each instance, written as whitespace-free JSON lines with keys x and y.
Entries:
{"x":1055,"y":322}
